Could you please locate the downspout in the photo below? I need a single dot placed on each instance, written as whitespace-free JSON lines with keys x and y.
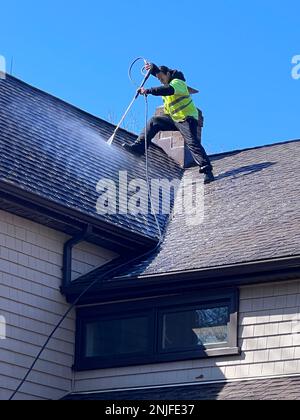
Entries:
{"x":67,"y":256}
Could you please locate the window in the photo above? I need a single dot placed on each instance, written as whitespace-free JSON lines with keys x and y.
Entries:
{"x":157,"y":330}
{"x":195,"y":328}
{"x":114,"y":337}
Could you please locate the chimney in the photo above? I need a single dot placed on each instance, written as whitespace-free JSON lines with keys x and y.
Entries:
{"x":173,"y":144}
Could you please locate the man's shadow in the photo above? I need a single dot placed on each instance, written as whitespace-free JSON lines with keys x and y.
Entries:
{"x":246,"y":170}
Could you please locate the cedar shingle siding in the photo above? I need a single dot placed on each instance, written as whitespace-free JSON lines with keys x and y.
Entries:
{"x":31,"y":302}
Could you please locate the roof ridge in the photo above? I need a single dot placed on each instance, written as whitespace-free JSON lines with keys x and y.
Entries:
{"x":254,"y":148}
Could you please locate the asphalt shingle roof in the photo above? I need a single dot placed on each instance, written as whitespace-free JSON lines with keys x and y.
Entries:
{"x":54,"y":150}
{"x":257,"y":390}
{"x":251,"y":213}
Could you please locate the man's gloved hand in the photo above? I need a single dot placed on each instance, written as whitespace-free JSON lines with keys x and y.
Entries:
{"x":143,"y":91}
{"x":148,"y":66}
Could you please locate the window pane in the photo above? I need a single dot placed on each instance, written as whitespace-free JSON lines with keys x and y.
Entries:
{"x":116,"y":337}
{"x":195,"y":328}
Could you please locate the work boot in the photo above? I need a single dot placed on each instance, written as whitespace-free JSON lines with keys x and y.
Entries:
{"x":205,"y":169}
{"x":208,"y":173}
{"x":135,"y":148}
{"x":208,"y":177}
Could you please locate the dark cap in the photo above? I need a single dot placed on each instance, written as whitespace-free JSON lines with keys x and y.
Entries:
{"x":175,"y":74}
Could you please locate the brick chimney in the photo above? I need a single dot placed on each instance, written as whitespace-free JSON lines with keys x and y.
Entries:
{"x":173,"y":144}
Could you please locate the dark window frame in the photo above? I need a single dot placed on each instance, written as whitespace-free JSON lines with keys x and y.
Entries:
{"x":154,"y":310}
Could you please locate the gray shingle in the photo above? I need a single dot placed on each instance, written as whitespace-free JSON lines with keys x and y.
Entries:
{"x":54,"y":150}
{"x":252,"y":212}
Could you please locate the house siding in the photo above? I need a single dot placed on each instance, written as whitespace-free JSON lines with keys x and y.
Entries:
{"x":269,"y":337}
{"x":31,"y":305}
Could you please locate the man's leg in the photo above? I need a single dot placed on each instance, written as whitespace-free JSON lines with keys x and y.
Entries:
{"x":189,"y":131}
{"x":154,"y":126}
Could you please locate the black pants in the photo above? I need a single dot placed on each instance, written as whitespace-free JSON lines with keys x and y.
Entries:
{"x":188,"y":129}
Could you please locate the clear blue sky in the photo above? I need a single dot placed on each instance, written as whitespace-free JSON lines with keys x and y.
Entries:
{"x":238,"y":53}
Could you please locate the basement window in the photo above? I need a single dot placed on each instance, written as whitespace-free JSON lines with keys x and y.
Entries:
{"x":157,"y":330}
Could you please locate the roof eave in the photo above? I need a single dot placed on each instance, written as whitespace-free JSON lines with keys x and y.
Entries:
{"x":73,"y":220}
{"x":265,"y":271}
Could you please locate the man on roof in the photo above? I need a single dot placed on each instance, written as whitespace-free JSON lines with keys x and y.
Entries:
{"x":181,"y":115}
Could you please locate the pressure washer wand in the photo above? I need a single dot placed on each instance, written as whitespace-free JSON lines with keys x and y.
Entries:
{"x":112,"y":138}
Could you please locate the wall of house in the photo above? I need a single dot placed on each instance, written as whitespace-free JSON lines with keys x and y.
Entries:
{"x":31,"y":305}
{"x":269,"y":336}
{"x":87,"y":257}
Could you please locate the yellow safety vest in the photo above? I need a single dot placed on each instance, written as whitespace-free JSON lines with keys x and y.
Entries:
{"x":180,"y":106}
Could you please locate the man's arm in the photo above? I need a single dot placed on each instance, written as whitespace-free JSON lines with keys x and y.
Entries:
{"x":161,"y":91}
{"x":154,"y":69}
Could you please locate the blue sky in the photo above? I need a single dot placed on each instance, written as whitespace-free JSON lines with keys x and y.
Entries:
{"x":238,"y":53}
